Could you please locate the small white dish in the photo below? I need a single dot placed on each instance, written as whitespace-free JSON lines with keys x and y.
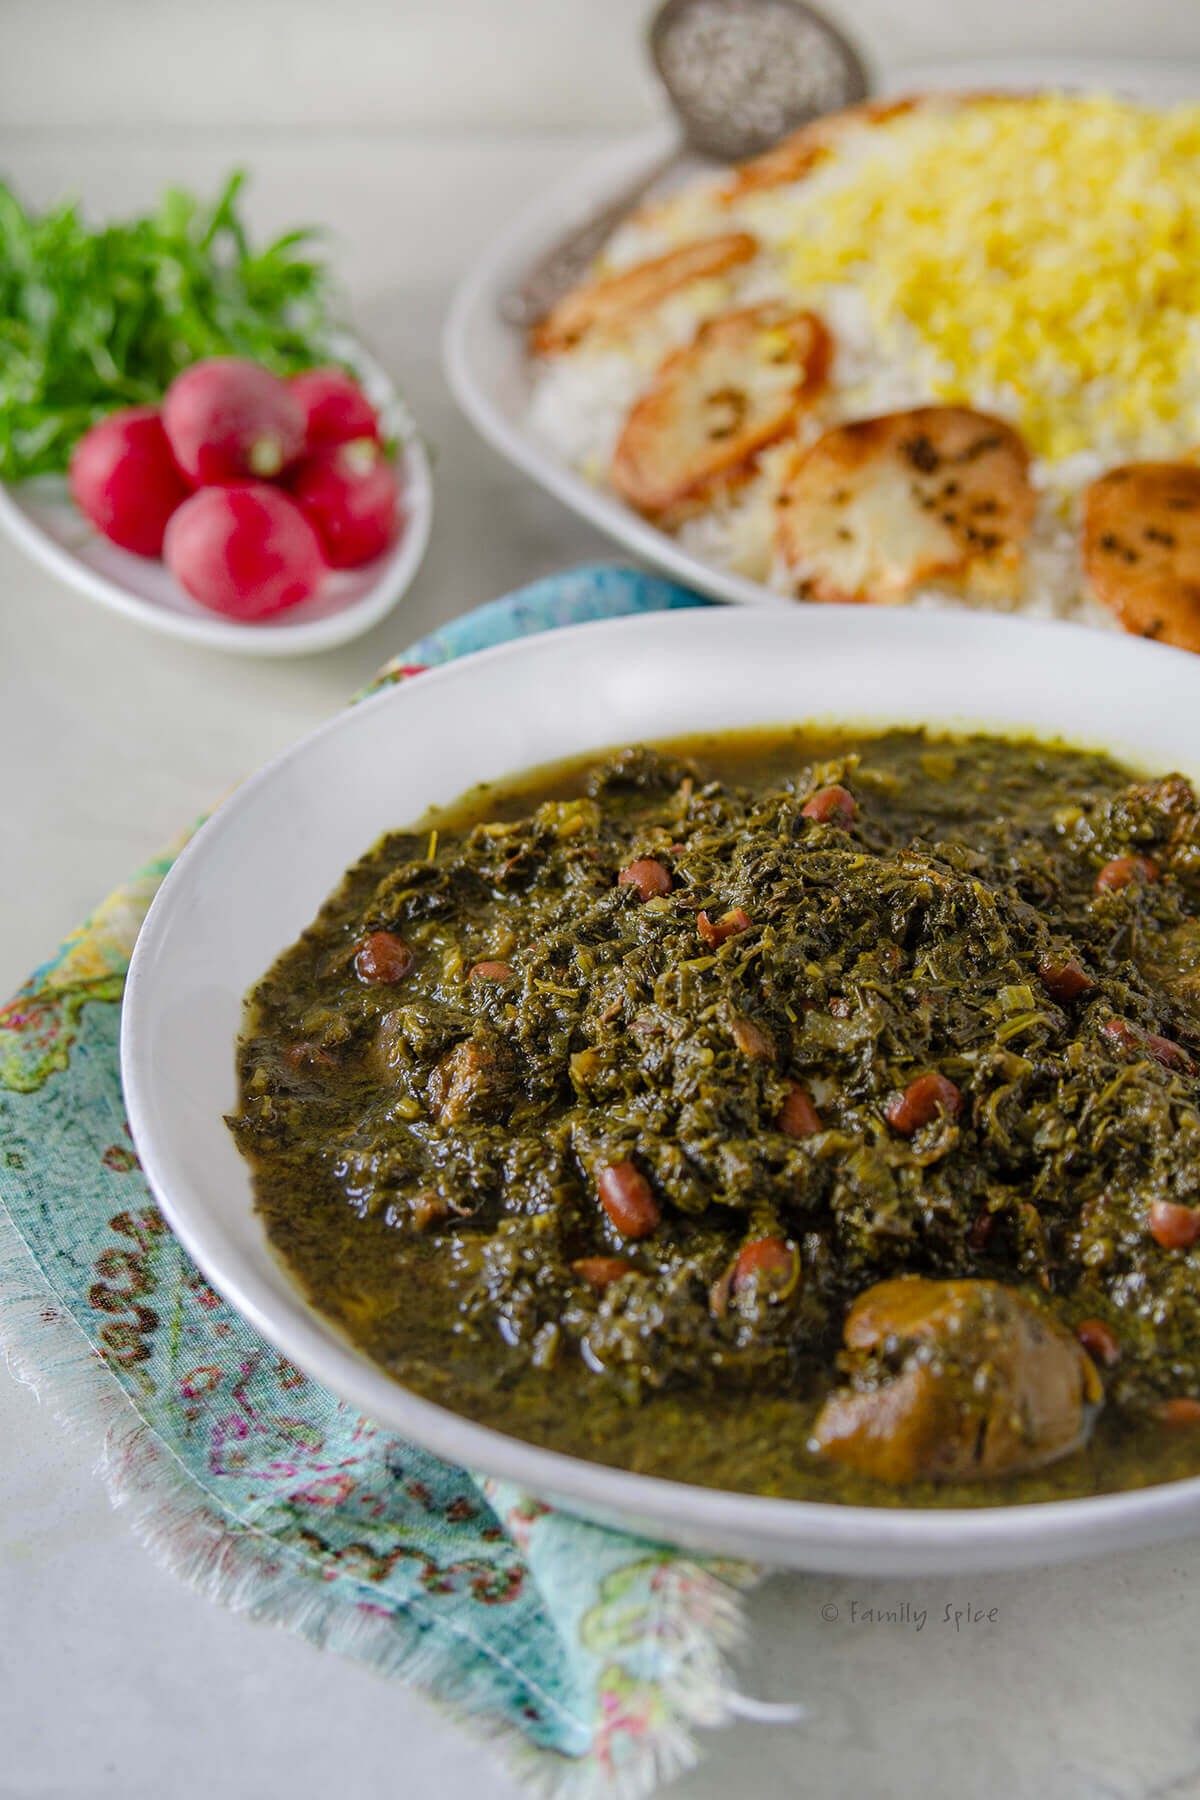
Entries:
{"x":40,"y":516}
{"x":485,"y":357}
{"x":256,"y":874}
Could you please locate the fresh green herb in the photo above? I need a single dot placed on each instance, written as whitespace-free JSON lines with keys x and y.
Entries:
{"x":681,"y":1171}
{"x":95,"y":320}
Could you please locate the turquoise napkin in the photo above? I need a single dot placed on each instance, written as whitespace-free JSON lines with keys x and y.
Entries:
{"x":591,"y":1654}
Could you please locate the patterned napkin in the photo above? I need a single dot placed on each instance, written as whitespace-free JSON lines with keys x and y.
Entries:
{"x":591,"y":1654}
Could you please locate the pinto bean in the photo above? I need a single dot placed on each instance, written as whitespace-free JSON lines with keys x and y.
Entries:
{"x":647,"y":875}
{"x":1122,"y":870}
{"x":769,"y":1262}
{"x":383,"y":957}
{"x":1121,"y":1033}
{"x":1172,"y":1226}
{"x":921,"y":1102}
{"x":715,"y":931}
{"x":1100,"y":1341}
{"x":1065,"y":978}
{"x":491,"y":971}
{"x":798,"y":1117}
{"x":628,"y":1199}
{"x":834,"y":805}
{"x":1163,"y":1051}
{"x":1180,"y":1413}
{"x":601,"y":1271}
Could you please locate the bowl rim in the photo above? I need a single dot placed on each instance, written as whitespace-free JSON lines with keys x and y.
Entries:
{"x":884,"y":1539}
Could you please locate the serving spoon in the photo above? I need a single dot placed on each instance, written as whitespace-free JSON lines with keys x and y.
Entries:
{"x":740,"y":74}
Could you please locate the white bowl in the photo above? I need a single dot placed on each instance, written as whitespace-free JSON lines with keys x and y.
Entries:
{"x":41,"y":517}
{"x":258,"y":871}
{"x":485,"y":357}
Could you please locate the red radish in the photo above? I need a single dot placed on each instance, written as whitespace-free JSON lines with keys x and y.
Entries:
{"x":125,"y":480}
{"x":351,"y":495}
{"x":244,"y":551}
{"x":230,"y":421}
{"x":335,"y":407}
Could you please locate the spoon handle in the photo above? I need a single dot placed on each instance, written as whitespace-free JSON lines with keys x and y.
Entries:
{"x":564,"y":266}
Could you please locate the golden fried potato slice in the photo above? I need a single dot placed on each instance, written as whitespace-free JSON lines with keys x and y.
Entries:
{"x":801,"y":151}
{"x":972,"y":1381}
{"x":615,"y":300}
{"x":806,"y":149}
{"x":714,"y":406}
{"x":1141,"y":549}
{"x":877,"y":506}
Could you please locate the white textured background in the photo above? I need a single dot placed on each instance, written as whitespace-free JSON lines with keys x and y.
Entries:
{"x":383,"y":64}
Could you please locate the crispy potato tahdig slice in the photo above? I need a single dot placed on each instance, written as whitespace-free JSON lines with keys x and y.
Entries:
{"x":877,"y":506}
{"x":715,"y":405}
{"x":1141,"y":548}
{"x":615,"y":299}
{"x":802,"y":150}
{"x":806,"y":149}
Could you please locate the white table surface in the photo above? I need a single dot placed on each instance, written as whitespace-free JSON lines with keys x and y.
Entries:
{"x":115,"y":1679}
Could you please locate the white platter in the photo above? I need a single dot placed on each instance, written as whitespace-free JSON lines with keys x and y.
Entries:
{"x":40,"y":516}
{"x":485,"y":358}
{"x":257,"y":872}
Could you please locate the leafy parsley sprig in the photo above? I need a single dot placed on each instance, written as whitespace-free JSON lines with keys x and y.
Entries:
{"x":95,"y":320}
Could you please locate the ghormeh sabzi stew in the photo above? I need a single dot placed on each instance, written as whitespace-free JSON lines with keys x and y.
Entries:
{"x":800,"y":1114}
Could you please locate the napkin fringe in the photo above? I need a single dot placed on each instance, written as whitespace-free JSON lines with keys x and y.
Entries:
{"x":648,"y":1658}
{"x":47,"y":1351}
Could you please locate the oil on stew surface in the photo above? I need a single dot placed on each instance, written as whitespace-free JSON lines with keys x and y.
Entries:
{"x":806,"y":1114}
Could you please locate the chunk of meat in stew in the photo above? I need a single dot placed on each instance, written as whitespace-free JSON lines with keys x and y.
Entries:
{"x":954,"y":1380}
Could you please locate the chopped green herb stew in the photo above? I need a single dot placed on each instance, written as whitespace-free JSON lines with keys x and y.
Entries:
{"x":798,"y":1113}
